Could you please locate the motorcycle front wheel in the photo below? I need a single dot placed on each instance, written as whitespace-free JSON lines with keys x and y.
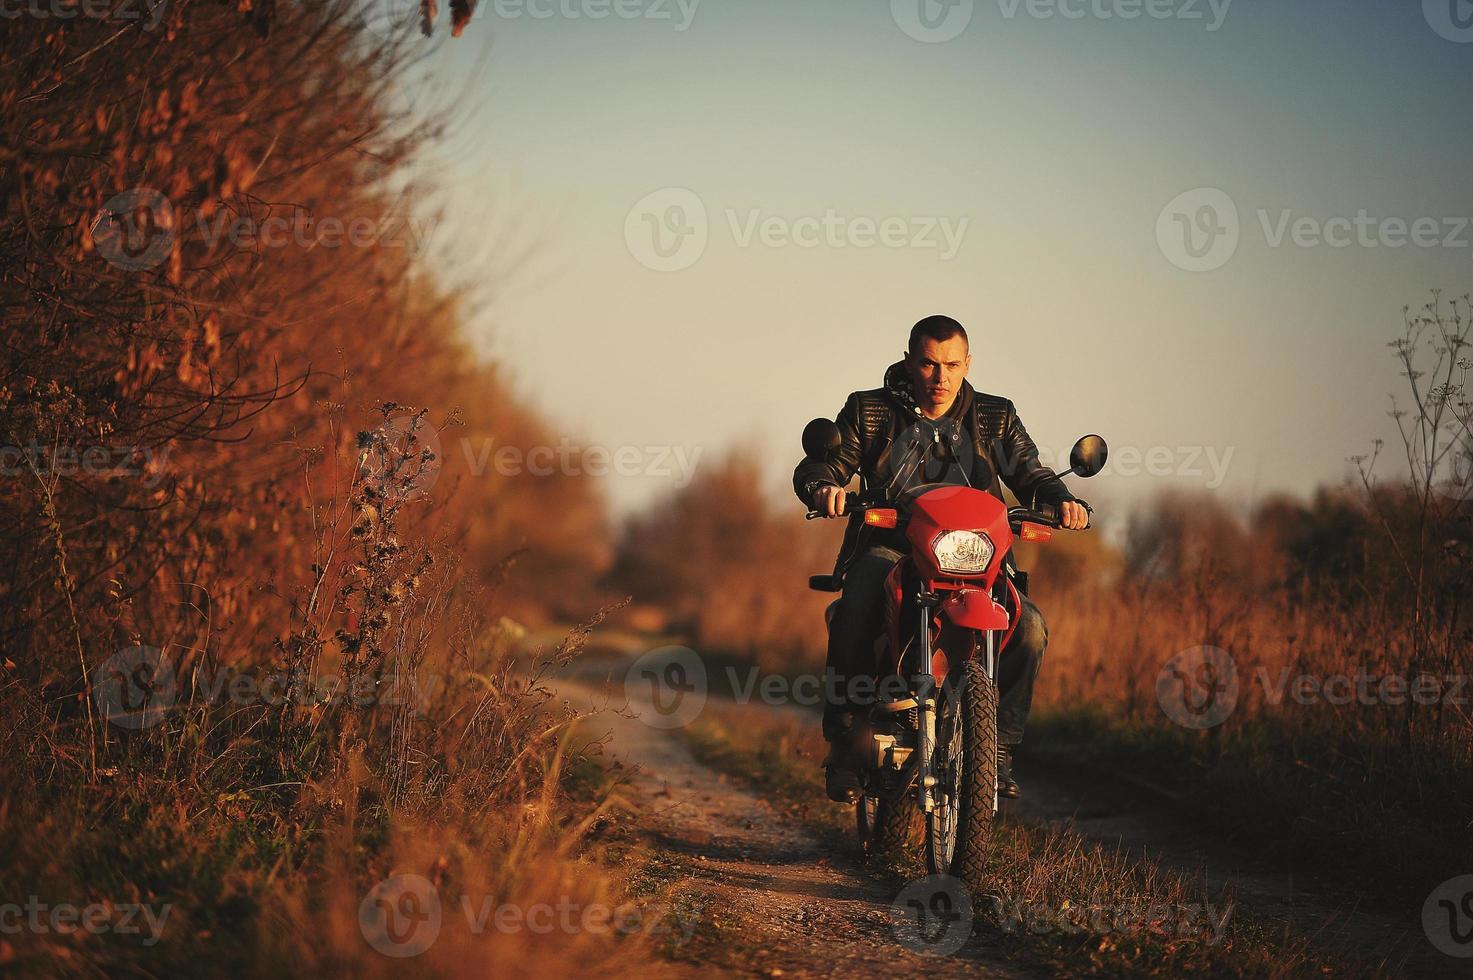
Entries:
{"x":959,"y":827}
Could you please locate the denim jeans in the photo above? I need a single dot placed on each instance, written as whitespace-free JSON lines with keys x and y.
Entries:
{"x":860,"y":619}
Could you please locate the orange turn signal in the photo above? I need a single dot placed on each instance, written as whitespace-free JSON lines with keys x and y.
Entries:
{"x":1034,"y":532}
{"x":882,"y":517}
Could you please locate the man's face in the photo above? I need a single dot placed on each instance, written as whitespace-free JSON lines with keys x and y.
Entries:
{"x":936,"y":371}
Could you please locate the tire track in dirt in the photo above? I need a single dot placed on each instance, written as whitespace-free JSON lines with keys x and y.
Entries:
{"x":781,"y":901}
{"x":816,"y":912}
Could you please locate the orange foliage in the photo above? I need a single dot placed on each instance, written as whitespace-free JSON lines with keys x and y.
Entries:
{"x":731,"y":567}
{"x":185,"y":297}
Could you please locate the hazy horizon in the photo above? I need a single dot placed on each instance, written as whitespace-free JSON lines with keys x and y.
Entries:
{"x":709,"y":208}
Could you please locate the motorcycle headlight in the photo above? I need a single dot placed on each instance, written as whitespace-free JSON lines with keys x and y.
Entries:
{"x":963,"y":552}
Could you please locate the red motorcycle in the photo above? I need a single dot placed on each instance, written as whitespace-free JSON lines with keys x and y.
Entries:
{"x":927,"y":746}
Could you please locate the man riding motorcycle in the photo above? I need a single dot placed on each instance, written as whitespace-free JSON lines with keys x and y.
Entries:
{"x":925,"y":402}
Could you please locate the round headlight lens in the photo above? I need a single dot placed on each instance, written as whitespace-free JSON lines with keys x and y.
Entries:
{"x":963,"y":552}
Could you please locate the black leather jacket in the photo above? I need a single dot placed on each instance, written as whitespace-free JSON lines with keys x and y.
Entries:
{"x":874,"y":424}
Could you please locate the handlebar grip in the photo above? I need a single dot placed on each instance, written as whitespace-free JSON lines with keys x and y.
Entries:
{"x":1051,"y":514}
{"x":853,"y":503}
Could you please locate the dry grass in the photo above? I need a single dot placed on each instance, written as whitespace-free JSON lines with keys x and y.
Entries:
{"x":271,"y":507}
{"x":262,"y":825}
{"x":1058,"y":902}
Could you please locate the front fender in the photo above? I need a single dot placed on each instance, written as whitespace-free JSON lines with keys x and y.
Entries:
{"x":975,"y":609}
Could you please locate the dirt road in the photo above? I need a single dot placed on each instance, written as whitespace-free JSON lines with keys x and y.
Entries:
{"x":778,"y":901}
{"x":782,"y":901}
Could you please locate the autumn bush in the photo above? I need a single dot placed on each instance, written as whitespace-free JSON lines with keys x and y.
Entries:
{"x":731,"y":566}
{"x":238,"y":422}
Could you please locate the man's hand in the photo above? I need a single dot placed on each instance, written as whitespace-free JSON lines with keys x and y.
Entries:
{"x":828,"y":500}
{"x":1074,"y":516}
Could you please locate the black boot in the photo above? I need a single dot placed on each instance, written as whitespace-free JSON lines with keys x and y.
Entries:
{"x":841,"y":771}
{"x":841,"y":783}
{"x":1007,"y":787}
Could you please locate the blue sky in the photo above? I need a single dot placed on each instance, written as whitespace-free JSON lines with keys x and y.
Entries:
{"x":1050,"y":146}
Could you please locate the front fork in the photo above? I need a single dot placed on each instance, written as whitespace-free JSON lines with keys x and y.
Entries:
{"x":926,"y":709}
{"x":926,"y":703}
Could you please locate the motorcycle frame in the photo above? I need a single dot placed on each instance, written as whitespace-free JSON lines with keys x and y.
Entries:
{"x":966,"y":600}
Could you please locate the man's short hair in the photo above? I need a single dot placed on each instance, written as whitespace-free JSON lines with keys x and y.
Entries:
{"x":938,"y":328}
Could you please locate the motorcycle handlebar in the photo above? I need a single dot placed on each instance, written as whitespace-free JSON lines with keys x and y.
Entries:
{"x":1046,"y":514}
{"x":854,"y":503}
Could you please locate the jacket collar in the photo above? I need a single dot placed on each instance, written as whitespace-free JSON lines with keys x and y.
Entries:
{"x":897,"y":386}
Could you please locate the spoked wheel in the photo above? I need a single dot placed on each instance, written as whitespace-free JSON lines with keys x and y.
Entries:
{"x":942,"y":821}
{"x":959,"y":828}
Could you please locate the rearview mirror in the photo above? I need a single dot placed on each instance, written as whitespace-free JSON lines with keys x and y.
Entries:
{"x":1088,"y":456}
{"x":821,"y":439}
